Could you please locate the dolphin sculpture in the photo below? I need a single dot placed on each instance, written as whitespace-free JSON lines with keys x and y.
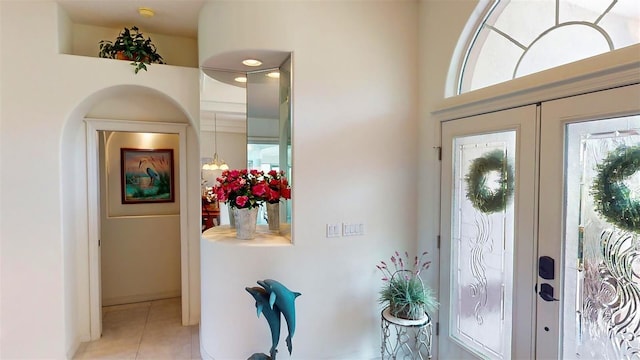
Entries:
{"x":283,"y":299}
{"x":271,"y":314}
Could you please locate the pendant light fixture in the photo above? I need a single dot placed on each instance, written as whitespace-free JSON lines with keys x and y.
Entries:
{"x":216,"y":163}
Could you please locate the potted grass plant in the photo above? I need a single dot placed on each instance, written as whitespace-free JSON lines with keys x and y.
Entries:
{"x":131,"y":45}
{"x":403,"y":290}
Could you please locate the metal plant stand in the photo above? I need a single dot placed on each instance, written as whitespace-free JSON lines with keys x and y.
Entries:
{"x":405,"y":339}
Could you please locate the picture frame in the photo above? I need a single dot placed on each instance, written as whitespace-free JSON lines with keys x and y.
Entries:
{"x":147,"y":176}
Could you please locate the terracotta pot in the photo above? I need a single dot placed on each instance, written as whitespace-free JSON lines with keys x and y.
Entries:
{"x":121,"y":56}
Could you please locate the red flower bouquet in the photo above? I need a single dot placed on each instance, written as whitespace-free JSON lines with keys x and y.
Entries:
{"x":242,"y":189}
{"x":277,"y":187}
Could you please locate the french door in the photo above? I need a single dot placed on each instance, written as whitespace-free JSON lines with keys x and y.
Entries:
{"x":487,"y":229}
{"x":590,"y":225}
{"x":530,"y":267}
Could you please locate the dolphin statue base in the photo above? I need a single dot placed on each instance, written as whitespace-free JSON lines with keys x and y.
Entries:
{"x":260,"y":356}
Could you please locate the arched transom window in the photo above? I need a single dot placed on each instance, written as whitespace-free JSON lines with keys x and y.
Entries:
{"x":521,"y":37}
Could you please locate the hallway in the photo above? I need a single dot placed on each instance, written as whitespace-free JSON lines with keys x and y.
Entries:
{"x":146,"y":330}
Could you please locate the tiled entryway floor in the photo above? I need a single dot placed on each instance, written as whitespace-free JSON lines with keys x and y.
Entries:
{"x":146,"y":330}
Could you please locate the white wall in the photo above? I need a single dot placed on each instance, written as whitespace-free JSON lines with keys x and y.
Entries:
{"x":147,"y":106}
{"x":140,"y":242}
{"x":44,"y":270}
{"x":355,"y":160}
{"x":1,"y":203}
{"x":441,"y":23}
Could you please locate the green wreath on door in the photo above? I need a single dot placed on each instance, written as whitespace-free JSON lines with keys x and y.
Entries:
{"x":611,"y":196}
{"x":482,"y":197}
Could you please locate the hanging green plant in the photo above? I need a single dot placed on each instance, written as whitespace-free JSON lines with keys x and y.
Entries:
{"x":482,"y":197}
{"x":611,"y":196}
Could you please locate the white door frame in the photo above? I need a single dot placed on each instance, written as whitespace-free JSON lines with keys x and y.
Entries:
{"x":93,"y":203}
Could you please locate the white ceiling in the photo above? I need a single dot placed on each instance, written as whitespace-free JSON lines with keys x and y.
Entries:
{"x":177,"y":17}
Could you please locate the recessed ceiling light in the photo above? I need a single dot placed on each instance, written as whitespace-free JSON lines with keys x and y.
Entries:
{"x":146,"y":12}
{"x":241,"y":79}
{"x":274,"y":74}
{"x":252,"y":62}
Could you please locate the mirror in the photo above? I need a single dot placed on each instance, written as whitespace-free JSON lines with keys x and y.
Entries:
{"x":247,"y":123}
{"x":269,"y":123}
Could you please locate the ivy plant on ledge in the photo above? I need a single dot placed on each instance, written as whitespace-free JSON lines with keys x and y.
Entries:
{"x":131,"y":45}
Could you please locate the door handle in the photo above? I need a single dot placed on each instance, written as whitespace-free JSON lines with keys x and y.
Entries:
{"x":546,"y":292}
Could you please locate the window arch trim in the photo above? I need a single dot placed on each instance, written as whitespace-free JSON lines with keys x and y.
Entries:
{"x":616,"y":68}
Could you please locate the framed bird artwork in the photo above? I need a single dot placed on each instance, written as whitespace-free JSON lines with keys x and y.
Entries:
{"x":147,"y":175}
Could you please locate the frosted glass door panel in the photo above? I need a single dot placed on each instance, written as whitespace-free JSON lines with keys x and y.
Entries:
{"x":601,"y":303}
{"x":482,"y":238}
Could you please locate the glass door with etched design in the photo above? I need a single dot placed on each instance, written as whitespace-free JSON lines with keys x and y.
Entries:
{"x":487,"y":252}
{"x":482,"y":242}
{"x":602,"y":240}
{"x":590,"y":225}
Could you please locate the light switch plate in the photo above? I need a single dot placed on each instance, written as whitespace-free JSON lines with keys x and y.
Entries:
{"x":333,"y":230}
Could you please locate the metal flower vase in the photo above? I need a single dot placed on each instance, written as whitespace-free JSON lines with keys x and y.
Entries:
{"x":273,"y":216}
{"x":246,"y":223}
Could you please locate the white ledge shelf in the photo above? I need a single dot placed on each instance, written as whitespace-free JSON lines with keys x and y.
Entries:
{"x":264,"y":237}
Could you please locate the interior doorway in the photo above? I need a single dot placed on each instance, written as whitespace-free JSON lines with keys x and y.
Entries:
{"x":97,"y":129}
{"x":140,"y":217}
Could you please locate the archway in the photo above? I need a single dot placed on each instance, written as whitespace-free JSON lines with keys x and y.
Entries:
{"x":132,"y":109}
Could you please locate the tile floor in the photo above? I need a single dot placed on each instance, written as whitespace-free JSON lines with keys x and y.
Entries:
{"x":146,"y":330}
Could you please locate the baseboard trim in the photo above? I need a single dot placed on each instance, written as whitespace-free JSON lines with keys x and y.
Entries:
{"x":119,"y":300}
{"x":75,"y":346}
{"x":203,"y":352}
